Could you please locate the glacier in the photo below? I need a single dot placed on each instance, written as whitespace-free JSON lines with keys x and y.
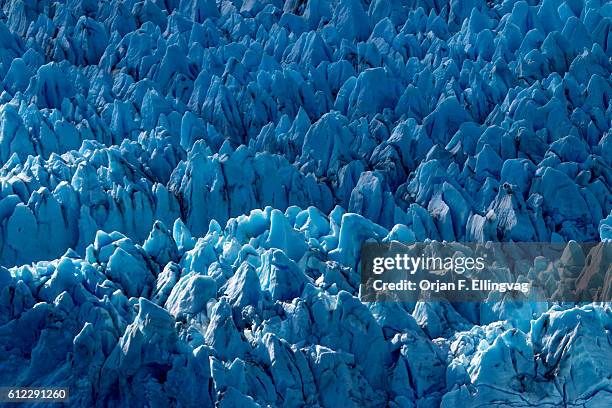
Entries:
{"x":185,"y":186}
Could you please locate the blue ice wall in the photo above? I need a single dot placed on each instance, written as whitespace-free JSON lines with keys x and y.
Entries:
{"x":185,"y":185}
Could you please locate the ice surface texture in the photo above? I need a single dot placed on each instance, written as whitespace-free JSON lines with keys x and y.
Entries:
{"x":203,"y":173}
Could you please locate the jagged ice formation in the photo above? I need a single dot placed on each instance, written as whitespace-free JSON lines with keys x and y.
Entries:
{"x":185,"y":186}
